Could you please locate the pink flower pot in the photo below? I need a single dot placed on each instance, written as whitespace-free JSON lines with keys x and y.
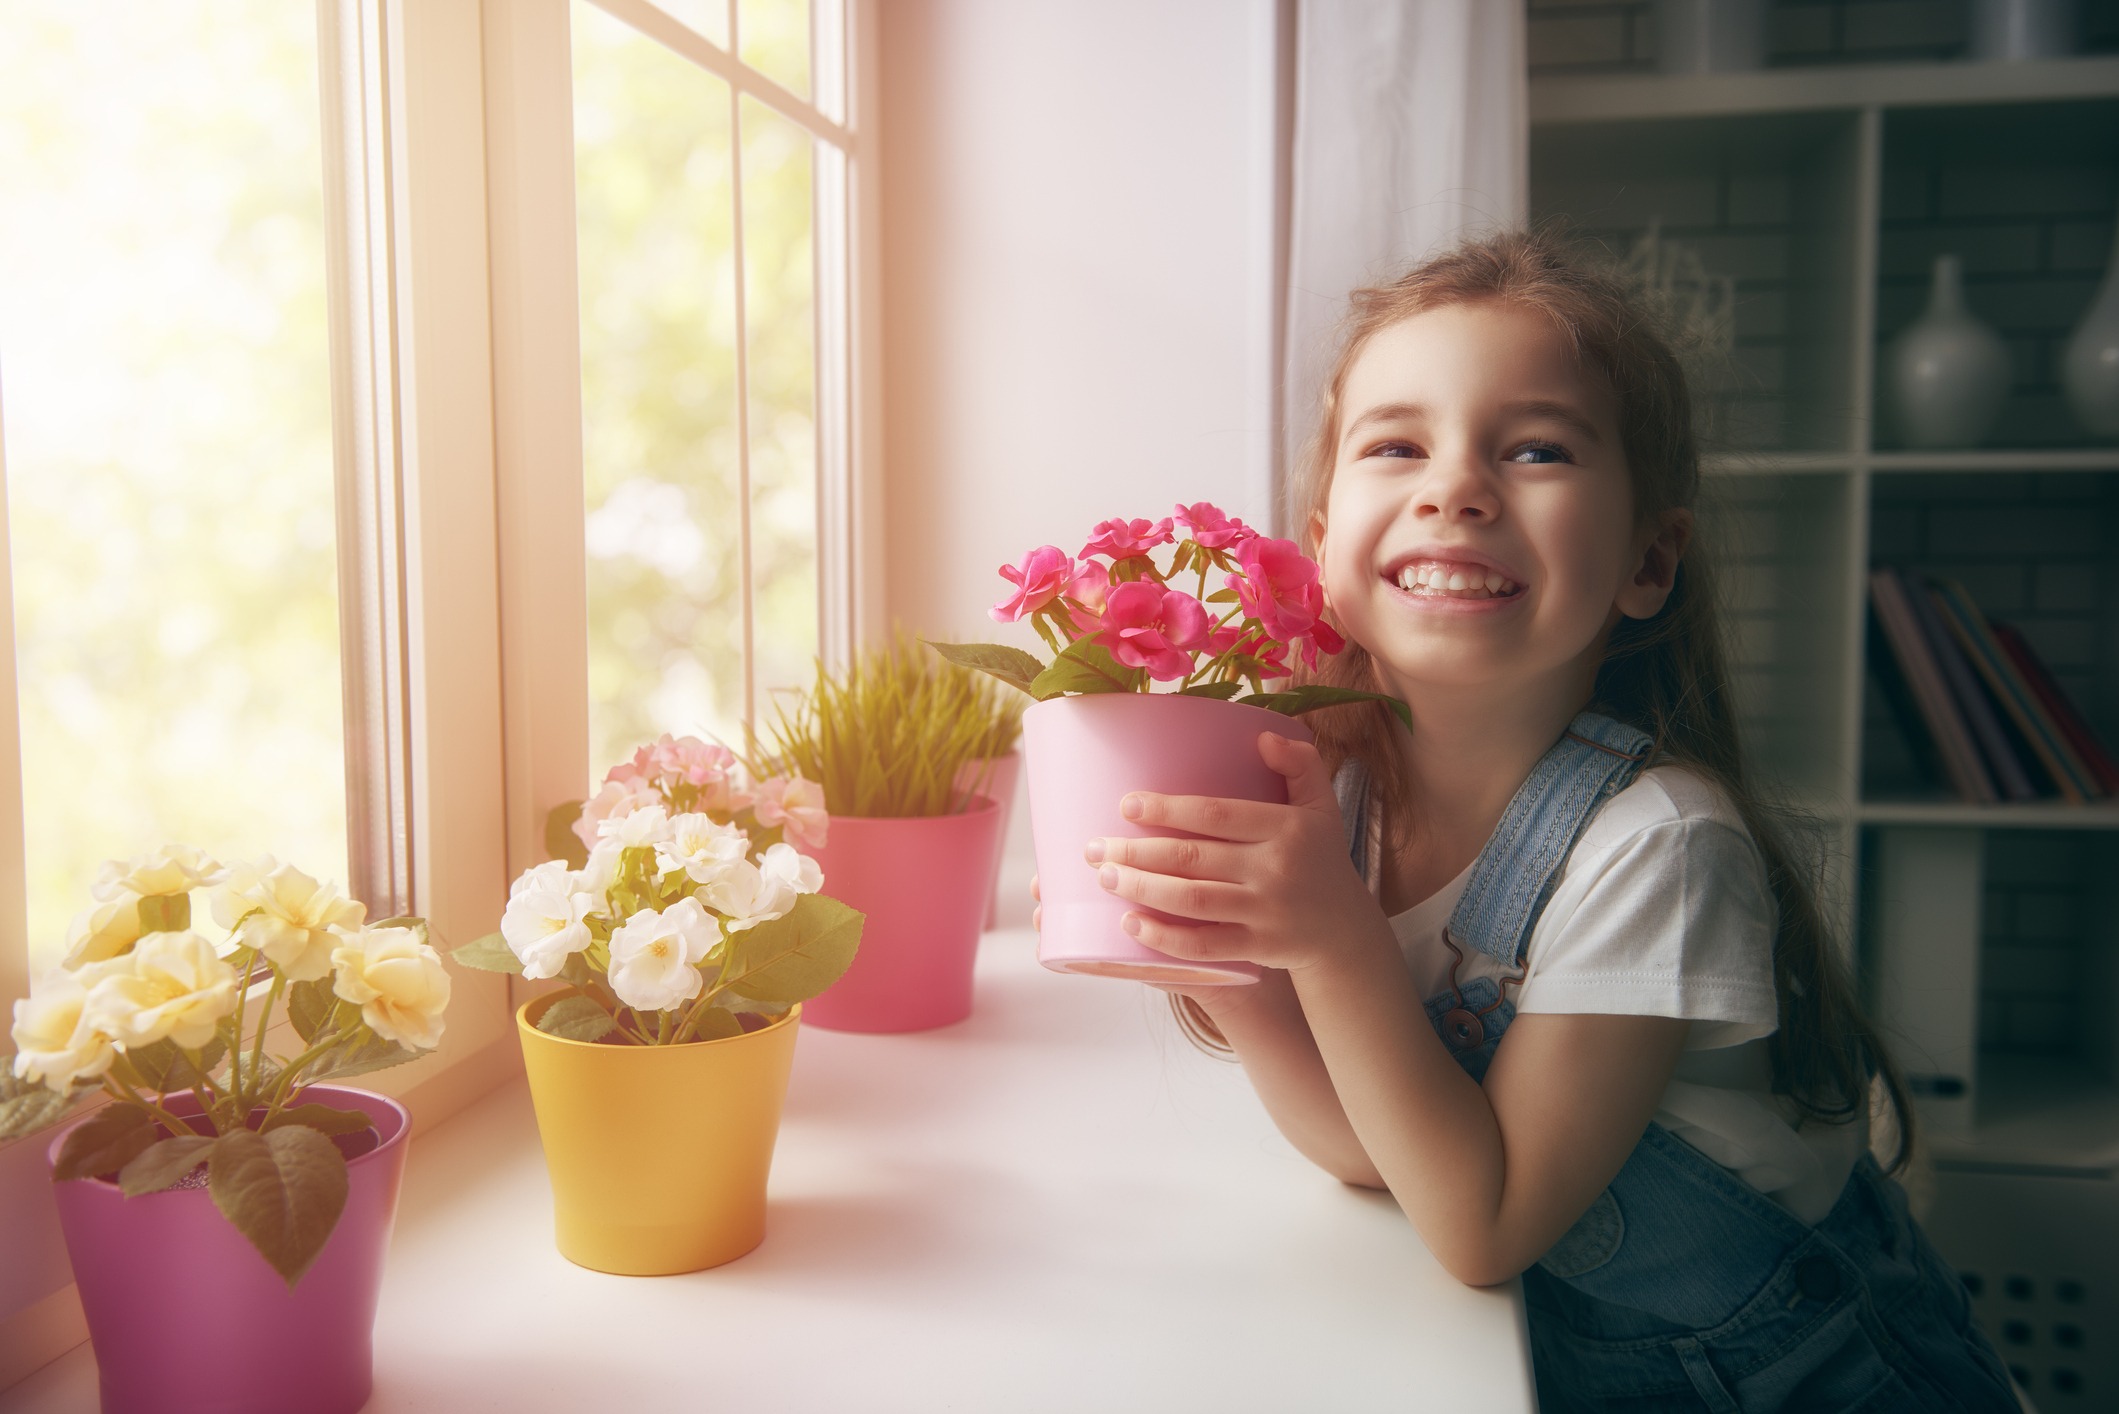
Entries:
{"x":1085,"y":754}
{"x":923,"y":882}
{"x":994,"y":777}
{"x":187,"y":1318}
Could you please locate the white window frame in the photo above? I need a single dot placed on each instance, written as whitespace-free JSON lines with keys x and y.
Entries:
{"x":457,"y":416}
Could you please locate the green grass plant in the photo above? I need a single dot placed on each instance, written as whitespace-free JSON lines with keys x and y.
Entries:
{"x":889,"y":736}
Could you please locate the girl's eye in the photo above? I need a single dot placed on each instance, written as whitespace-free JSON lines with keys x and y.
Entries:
{"x":1397,"y":449}
{"x":1540,"y":453}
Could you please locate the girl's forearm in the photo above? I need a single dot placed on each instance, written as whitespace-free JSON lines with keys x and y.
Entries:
{"x":1421,"y":1120}
{"x":1266,"y":1026}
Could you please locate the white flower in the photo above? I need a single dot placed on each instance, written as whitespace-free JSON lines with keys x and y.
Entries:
{"x":793,"y":868}
{"x":544,"y":923}
{"x":172,"y":869}
{"x":549,"y":875}
{"x":701,"y":848}
{"x":655,"y":956}
{"x":171,"y":985}
{"x":291,"y":918}
{"x":396,"y":980}
{"x":650,"y":824}
{"x":600,"y":872}
{"x":54,"y":1040}
{"x":747,"y":896}
{"x":108,"y":930}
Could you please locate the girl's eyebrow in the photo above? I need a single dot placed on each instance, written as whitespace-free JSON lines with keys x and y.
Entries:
{"x":1567,"y":413}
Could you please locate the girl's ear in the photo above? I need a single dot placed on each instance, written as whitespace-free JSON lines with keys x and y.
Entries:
{"x":1656,"y":573}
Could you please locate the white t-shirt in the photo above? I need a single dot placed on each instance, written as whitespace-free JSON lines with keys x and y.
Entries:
{"x":1663,"y":909}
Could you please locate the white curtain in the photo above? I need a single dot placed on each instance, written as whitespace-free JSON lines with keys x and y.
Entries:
{"x":1411,"y":130}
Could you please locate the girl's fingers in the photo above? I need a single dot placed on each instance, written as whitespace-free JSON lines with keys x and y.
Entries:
{"x":1205,"y":899}
{"x":1209,"y":942}
{"x":1240,"y":821}
{"x":1185,"y":859}
{"x":1309,"y":784}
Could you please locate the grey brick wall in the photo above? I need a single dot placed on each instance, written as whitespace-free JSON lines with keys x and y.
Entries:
{"x":2033,"y":929}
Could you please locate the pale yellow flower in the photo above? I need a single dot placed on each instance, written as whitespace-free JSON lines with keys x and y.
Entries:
{"x":287,"y":916}
{"x":396,"y":980}
{"x":172,"y":869}
{"x":106,"y":931}
{"x":171,"y":985}
{"x":54,"y":1040}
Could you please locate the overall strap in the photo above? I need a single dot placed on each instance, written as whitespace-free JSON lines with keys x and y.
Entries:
{"x":1516,"y":873}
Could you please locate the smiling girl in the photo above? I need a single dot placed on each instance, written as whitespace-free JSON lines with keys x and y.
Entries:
{"x":1542,"y":967}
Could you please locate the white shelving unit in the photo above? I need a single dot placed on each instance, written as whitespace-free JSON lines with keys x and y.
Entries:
{"x":1988,"y":936}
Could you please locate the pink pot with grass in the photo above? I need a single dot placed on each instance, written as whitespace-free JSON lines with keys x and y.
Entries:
{"x":924,"y":882}
{"x":187,"y":1318}
{"x":1083,"y":755}
{"x":995,"y":778}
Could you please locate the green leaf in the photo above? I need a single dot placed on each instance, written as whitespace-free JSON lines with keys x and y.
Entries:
{"x":27,"y":1108}
{"x":1085,"y":666}
{"x":560,"y":841}
{"x":165,"y":913}
{"x":321,"y":1118}
{"x":104,"y":1142}
{"x":284,"y":1191}
{"x":309,"y":1007}
{"x":793,"y":958}
{"x":160,"y":1165}
{"x":718,"y":1024}
{"x":488,"y":954}
{"x":357,"y":1057}
{"x":1311,"y":696}
{"x":1221,"y":690}
{"x":736,"y":1003}
{"x":163,"y":1068}
{"x":1011,"y":665}
{"x":1224,"y":596}
{"x":576,"y":1019}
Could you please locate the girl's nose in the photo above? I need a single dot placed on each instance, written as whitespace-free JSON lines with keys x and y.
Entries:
{"x":1458,"y":486}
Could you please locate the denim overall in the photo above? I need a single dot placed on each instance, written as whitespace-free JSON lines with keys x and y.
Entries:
{"x":1683,"y":1288}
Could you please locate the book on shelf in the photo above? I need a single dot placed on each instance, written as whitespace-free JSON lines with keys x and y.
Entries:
{"x":2070,"y":777}
{"x":1946,"y":727}
{"x":2070,"y":722}
{"x":1974,"y":702}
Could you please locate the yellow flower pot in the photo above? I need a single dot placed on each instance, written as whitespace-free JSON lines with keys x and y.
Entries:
{"x":658,"y":1154}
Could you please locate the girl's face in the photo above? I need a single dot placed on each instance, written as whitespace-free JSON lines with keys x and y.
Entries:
{"x":1480,"y":530}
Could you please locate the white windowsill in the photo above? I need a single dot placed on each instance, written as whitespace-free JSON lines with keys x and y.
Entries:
{"x":1055,"y":1205}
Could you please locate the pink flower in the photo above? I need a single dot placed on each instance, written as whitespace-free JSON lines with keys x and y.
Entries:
{"x":1088,"y":587}
{"x":687,"y":758}
{"x":1321,"y":637}
{"x":1039,"y":580}
{"x":1147,"y":626}
{"x":1211,"y":528}
{"x":621,"y":796}
{"x":1278,"y":587}
{"x":1122,"y":538}
{"x":796,"y":805}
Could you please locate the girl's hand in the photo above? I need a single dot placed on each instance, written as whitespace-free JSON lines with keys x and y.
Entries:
{"x":1270,"y":884}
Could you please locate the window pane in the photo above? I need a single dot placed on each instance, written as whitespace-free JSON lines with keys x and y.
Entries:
{"x":780,"y":304}
{"x":658,"y":366}
{"x":775,"y":40}
{"x":708,"y":18}
{"x":168,"y":420}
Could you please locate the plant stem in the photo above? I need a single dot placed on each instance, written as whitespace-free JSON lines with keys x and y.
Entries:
{"x":257,"y":1050}
{"x":119,"y":1090}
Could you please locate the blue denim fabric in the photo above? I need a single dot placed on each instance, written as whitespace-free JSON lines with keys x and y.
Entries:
{"x":1682,"y":1288}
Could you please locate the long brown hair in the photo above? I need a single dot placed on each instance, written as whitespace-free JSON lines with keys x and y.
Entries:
{"x":1667,"y":676}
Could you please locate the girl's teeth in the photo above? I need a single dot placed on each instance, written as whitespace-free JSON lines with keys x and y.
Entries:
{"x":1470,"y":582}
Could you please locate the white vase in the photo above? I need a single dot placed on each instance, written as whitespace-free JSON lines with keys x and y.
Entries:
{"x":2022,"y":29}
{"x":1710,"y":36}
{"x":2090,"y":369}
{"x":1949,"y":373}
